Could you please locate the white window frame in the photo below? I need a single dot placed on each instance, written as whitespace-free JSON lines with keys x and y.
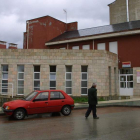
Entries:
{"x":36,"y":79}
{"x":75,"y":47}
{"x":113,"y":46}
{"x":20,"y":80}
{"x":84,"y":47}
{"x":4,"y":87}
{"x":68,"y":80}
{"x":100,"y":45}
{"x":52,"y":80}
{"x":84,"y":80}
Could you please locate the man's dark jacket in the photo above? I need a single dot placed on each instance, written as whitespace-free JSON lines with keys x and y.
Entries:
{"x":92,"y":96}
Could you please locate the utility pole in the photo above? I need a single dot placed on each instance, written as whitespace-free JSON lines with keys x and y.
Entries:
{"x":66,"y":14}
{"x":127,"y":10}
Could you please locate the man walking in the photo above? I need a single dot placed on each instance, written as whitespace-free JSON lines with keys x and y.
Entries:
{"x":92,"y":101}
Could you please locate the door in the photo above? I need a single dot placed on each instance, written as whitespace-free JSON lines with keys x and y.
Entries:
{"x":57,"y":100}
{"x":39,"y":104}
{"x":126,"y":83}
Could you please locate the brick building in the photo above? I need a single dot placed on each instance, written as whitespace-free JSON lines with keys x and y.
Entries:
{"x":57,"y":55}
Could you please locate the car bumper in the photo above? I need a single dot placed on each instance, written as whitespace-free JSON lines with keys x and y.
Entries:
{"x":7,"y":112}
{"x":72,"y":106}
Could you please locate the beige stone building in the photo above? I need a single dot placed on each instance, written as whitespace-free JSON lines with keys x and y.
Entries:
{"x":124,"y":11}
{"x":73,"y":71}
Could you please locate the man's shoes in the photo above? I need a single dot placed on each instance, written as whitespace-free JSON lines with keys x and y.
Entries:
{"x":95,"y":117}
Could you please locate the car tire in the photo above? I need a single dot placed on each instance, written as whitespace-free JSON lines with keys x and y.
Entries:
{"x":19,"y":114}
{"x":66,"y":110}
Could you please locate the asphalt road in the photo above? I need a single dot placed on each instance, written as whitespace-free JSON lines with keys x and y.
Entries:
{"x":115,"y":123}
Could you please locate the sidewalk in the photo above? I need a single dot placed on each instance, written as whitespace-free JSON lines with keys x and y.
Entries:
{"x":135,"y":102}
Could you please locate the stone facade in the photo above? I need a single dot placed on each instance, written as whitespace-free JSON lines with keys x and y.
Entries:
{"x":136,"y":89}
{"x":98,"y":63}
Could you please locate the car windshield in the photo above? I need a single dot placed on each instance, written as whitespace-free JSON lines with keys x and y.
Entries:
{"x":30,"y":96}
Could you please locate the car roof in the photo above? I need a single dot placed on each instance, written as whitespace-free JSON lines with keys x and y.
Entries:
{"x":48,"y":90}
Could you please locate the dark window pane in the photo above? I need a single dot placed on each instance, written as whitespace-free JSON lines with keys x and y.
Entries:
{"x":20,"y":68}
{"x":42,"y":96}
{"x":20,"y":83}
{"x":130,"y":78}
{"x":5,"y":68}
{"x":36,"y":75}
{"x":68,"y":76}
{"x":52,"y":68}
{"x":37,"y":88}
{"x":68,"y":84}
{"x":36,"y":84}
{"x":130,"y":84}
{"x":68,"y":68}
{"x":4,"y":83}
{"x":4,"y":90}
{"x":126,"y":71}
{"x":21,"y":76}
{"x":123,"y":84}
{"x":84,"y":76}
{"x":20,"y":90}
{"x":68,"y":90}
{"x":4,"y":75}
{"x":52,"y":76}
{"x":84,"y":68}
{"x":83,"y":90}
{"x":36,"y":68}
{"x":52,"y":88}
{"x":83,"y":83}
{"x":52,"y":83}
{"x":123,"y":78}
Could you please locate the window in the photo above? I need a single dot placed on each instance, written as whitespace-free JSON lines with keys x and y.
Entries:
{"x":20,"y":76}
{"x":55,"y":95}
{"x":4,"y":79}
{"x":42,"y":96}
{"x":68,"y":79}
{"x":52,"y":77}
{"x":101,"y":46}
{"x":36,"y":77}
{"x":75,"y":47}
{"x":85,"y":47}
{"x":84,"y":79}
{"x":113,"y":47}
{"x":62,"y":48}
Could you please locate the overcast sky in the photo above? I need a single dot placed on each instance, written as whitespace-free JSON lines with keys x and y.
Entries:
{"x":14,"y":13}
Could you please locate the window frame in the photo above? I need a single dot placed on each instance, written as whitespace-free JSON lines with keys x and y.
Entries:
{"x":38,"y":80}
{"x":52,"y":88}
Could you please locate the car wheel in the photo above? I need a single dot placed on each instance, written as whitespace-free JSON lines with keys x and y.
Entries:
{"x":66,"y":110}
{"x":19,"y":114}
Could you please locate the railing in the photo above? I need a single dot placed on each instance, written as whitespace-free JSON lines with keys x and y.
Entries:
{"x":8,"y":87}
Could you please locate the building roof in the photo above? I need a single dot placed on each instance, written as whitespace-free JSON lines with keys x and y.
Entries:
{"x":127,"y":26}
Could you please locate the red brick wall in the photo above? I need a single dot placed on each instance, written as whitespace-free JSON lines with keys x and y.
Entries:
{"x":12,"y":47}
{"x":2,"y":46}
{"x":72,"y":26}
{"x":25,"y":40}
{"x":44,"y":29}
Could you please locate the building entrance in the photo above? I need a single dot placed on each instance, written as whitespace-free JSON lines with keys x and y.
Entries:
{"x":126,"y":82}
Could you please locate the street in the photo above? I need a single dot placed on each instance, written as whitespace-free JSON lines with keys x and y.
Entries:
{"x":115,"y":123}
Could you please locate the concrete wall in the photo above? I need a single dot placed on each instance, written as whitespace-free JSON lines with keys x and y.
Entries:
{"x":97,"y":62}
{"x":118,"y":12}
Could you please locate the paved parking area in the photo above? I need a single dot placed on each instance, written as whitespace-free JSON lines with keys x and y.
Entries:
{"x":115,"y":123}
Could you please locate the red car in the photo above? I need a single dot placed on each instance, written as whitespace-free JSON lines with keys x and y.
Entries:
{"x":40,"y":102}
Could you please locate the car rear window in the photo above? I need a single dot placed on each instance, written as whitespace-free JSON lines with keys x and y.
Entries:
{"x":56,"y":95}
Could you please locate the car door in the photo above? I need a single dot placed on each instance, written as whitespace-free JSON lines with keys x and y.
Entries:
{"x":56,"y":101}
{"x":40,"y":103}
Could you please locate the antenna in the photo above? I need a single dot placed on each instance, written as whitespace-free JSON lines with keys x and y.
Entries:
{"x":66,"y":14}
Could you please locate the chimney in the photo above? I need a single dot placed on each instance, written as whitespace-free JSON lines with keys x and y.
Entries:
{"x":3,"y":45}
{"x":12,"y":46}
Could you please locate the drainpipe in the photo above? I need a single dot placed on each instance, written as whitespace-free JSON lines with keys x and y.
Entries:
{"x":27,"y":33}
{"x":127,"y":10}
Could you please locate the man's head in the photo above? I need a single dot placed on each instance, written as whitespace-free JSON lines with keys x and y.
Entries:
{"x":94,"y":85}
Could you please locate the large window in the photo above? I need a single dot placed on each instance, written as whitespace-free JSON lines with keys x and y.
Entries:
{"x":52,"y":77}
{"x":84,"y":80}
{"x":113,"y":47}
{"x":20,"y":86}
{"x":101,"y":46}
{"x":4,"y":79}
{"x":68,"y":79}
{"x":85,"y":47}
{"x":36,"y":77}
{"x":75,"y":47}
